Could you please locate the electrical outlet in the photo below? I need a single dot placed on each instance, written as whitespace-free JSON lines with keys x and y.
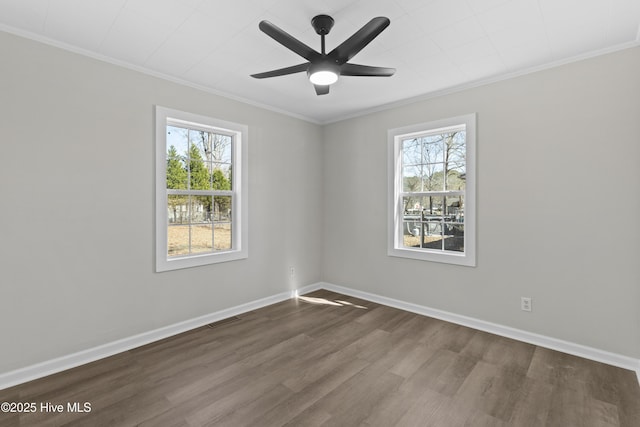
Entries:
{"x":525,"y":304}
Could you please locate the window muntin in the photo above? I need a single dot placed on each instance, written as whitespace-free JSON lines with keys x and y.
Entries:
{"x":201,"y":190}
{"x":432,"y":191}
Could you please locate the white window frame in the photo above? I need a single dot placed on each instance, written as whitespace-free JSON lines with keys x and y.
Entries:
{"x":395,"y":192}
{"x":240,"y":219}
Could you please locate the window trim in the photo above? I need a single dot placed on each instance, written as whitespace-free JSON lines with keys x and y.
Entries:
{"x":394,"y":170}
{"x":240,"y":217}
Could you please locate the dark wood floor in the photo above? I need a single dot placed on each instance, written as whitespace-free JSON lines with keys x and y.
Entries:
{"x":337,"y":361}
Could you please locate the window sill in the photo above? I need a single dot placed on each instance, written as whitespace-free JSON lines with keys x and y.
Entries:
{"x":199,"y":260}
{"x":464,"y":259}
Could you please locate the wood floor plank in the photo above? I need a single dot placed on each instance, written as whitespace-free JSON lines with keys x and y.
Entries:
{"x":533,"y":405}
{"x":380,"y":316}
{"x":334,"y":360}
{"x":572,"y":405}
{"x":312,"y":392}
{"x":313,"y":418}
{"x":408,"y":363}
{"x":555,"y":367}
{"x":453,"y":376}
{"x":628,"y":391}
{"x":452,"y":414}
{"x":252,"y":412}
{"x":393,"y":408}
{"x":127,"y":412}
{"x":491,"y":390}
{"x":352,"y":402}
{"x":422,"y":411}
{"x":510,"y":355}
{"x":10,"y":419}
{"x":436,"y":373}
{"x":216,"y":402}
{"x":236,"y":374}
{"x":449,"y":336}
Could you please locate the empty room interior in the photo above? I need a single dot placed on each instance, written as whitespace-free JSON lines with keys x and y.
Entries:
{"x":197,"y":229}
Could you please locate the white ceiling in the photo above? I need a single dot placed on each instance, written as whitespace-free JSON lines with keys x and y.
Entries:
{"x":435,"y":45}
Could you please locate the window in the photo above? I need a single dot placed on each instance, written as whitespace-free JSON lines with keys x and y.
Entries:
{"x":201,"y":190}
{"x":432,"y":191}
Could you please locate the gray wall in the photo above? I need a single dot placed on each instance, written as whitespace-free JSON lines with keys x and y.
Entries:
{"x":77,"y":212}
{"x":558,"y":205}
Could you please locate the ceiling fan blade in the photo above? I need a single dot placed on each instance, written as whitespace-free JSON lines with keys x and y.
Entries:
{"x":288,"y":41}
{"x":321,"y":89}
{"x":365,"y":70}
{"x":354,"y":44}
{"x":282,"y":71}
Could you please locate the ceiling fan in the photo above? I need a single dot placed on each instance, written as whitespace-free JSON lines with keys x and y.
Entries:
{"x":324,"y":68}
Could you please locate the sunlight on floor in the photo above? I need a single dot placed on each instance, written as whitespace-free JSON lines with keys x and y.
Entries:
{"x":339,"y":303}
{"x":351,"y":304}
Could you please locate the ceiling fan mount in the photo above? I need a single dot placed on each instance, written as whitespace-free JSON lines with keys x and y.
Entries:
{"x":322,"y":24}
{"x":324,"y":68}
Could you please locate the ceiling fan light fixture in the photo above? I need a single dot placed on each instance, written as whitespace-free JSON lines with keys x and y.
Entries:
{"x":323,"y":77}
{"x":323,"y":73}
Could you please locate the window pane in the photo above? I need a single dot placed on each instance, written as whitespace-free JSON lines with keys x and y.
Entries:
{"x":177,"y":149}
{"x":177,"y":137}
{"x":456,"y":151}
{"x":428,"y":206}
{"x":432,"y":238}
{"x":179,"y":231}
{"x":177,"y":209}
{"x":432,"y":206}
{"x":222,"y":152}
{"x":222,"y":236}
{"x":422,"y":222}
{"x":455,"y":180}
{"x":201,"y":238}
{"x":433,"y":177}
{"x":411,"y":152}
{"x":221,"y":176}
{"x":208,"y":166}
{"x":222,"y":208}
{"x":177,"y":175}
{"x":411,"y":233}
{"x":454,"y":237}
{"x":411,"y":179}
{"x":198,"y":173}
{"x":222,"y":223}
{"x":177,"y":240}
{"x":201,"y":231}
{"x":454,"y":209}
{"x":203,"y":141}
{"x":412,"y":207}
{"x":200,"y":209}
{"x":432,"y":149}
{"x":432,"y":225}
{"x":458,"y":166}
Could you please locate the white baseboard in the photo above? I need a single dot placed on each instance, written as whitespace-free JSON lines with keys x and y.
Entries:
{"x":29,"y":373}
{"x":39,"y":370}
{"x":494,"y":328}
